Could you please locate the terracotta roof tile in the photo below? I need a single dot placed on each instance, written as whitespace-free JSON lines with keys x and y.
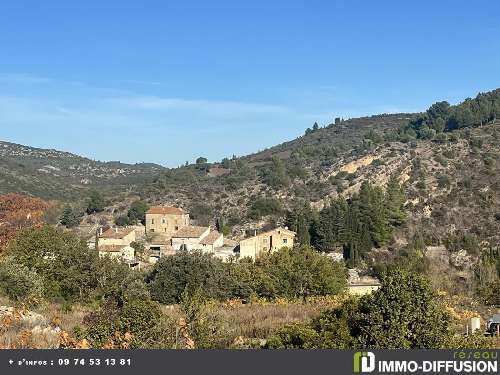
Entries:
{"x":116,"y":233}
{"x":190,"y":232}
{"x":210,"y":238}
{"x":165,"y":211}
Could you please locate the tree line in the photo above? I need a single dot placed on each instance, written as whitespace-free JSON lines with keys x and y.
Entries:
{"x":354,"y":225}
{"x":443,"y":117}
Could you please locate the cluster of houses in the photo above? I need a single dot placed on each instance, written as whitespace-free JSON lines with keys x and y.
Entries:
{"x":169,"y":230}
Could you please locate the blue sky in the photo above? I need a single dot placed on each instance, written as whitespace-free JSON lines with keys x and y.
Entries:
{"x":165,"y":82}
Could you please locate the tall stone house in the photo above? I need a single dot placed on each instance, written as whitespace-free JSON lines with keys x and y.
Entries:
{"x":165,"y":221}
{"x":267,"y":242}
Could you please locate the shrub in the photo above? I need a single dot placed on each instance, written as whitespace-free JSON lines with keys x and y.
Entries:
{"x":136,"y":324}
{"x":19,"y":282}
{"x":171,"y":275}
{"x":301,"y":272}
{"x":137,"y":212}
{"x":402,"y":314}
{"x":265,"y":206}
{"x":62,"y":260}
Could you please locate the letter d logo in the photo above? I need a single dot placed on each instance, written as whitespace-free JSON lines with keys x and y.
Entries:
{"x":364,"y":362}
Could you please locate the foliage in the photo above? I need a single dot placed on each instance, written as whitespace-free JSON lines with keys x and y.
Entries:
{"x":201,"y":160}
{"x":441,"y":116}
{"x":19,"y":282}
{"x":171,"y":275}
{"x":402,"y":314}
{"x":302,"y":272}
{"x":62,"y":260}
{"x":136,"y":323}
{"x":71,"y":217}
{"x":137,"y":212}
{"x":357,"y":225}
{"x":265,"y":206}
{"x":290,"y":273}
{"x":96,"y":202}
{"x":122,"y":220}
{"x":17,"y":212}
{"x":276,"y":175}
{"x":487,"y":276}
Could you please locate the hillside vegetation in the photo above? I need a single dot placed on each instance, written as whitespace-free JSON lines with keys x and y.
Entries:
{"x":412,"y":199}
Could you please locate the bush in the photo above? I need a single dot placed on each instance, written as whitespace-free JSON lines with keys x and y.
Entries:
{"x":95,"y":203}
{"x":137,"y":212}
{"x":402,"y":314}
{"x":19,"y":282}
{"x":288,"y":273}
{"x":136,"y":324}
{"x":62,"y":260}
{"x":173,"y":274}
{"x":265,"y":206}
{"x":122,"y":221}
{"x":71,"y":217}
{"x":301,"y":272}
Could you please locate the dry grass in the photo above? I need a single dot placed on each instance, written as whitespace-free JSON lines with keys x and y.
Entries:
{"x":61,"y":317}
{"x":258,"y":320}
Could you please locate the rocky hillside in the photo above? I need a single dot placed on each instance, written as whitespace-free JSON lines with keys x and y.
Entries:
{"x":52,"y":174}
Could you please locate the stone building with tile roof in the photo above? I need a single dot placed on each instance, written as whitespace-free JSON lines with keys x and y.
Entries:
{"x":164,"y":221}
{"x":197,"y":238}
{"x":267,"y":242}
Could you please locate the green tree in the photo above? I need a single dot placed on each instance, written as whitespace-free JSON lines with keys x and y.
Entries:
{"x":403,"y":313}
{"x":96,"y":203}
{"x":64,"y":261}
{"x":70,"y":217}
{"x":122,"y":220}
{"x":276,"y":175}
{"x":172,"y":275}
{"x":201,"y":160}
{"x":394,"y":201}
{"x":302,"y":272}
{"x":137,"y":212}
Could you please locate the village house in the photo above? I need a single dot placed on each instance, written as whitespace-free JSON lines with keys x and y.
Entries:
{"x":165,"y":221}
{"x":115,"y":236}
{"x":115,"y":242}
{"x":267,"y":242}
{"x":124,"y":253}
{"x":197,"y":238}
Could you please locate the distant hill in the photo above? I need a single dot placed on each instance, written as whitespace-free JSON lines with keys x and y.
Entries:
{"x":52,"y":174}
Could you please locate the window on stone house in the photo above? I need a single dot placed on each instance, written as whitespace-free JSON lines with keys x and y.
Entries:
{"x":163,"y":221}
{"x":152,"y":221}
{"x":285,"y":240}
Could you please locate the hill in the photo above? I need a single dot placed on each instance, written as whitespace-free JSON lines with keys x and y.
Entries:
{"x":52,"y":174}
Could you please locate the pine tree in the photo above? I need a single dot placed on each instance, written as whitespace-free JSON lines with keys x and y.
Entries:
{"x":394,"y":201}
{"x":303,"y":236}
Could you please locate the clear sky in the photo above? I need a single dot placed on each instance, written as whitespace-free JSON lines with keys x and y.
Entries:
{"x":167,"y":81}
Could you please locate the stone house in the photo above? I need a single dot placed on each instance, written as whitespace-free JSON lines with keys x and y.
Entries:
{"x":197,"y":238}
{"x":122,"y":252}
{"x":115,"y":236}
{"x":165,"y":221}
{"x":212,"y":241}
{"x":267,"y":242}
